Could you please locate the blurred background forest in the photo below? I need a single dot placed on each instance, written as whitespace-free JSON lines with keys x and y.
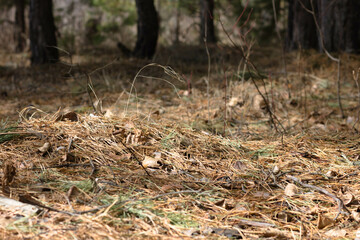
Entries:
{"x":83,"y":23}
{"x":111,"y":40}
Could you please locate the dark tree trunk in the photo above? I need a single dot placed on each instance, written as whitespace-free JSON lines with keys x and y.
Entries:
{"x":339,"y":21}
{"x":301,"y":32}
{"x":42,"y":33}
{"x":147,"y":29}
{"x":20,"y":36}
{"x":177,"y":25}
{"x":207,"y":30}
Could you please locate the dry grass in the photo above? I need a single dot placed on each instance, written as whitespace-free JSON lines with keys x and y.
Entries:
{"x":211,"y":178}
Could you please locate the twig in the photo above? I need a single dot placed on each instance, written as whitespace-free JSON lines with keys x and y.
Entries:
{"x":208,"y":73}
{"x":340,"y":203}
{"x":89,"y":86}
{"x":62,"y":166}
{"x":356,"y":79}
{"x":282,"y":49}
{"x":255,"y":223}
{"x":225,"y":101}
{"x":273,"y":119}
{"x":337,"y":60}
{"x":14,"y":133}
{"x":136,"y":200}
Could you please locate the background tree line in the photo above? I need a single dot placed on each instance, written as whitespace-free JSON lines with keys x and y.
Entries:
{"x":304,"y":23}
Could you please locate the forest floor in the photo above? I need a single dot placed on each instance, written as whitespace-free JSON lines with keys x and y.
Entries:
{"x":104,"y":147}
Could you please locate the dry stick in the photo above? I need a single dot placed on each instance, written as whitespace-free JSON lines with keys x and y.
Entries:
{"x":337,"y":60}
{"x":248,"y":64}
{"x":208,"y":73}
{"x":283,"y":58}
{"x":136,"y":158}
{"x":19,"y":133}
{"x":136,"y":200}
{"x":282,"y":49}
{"x":225,"y":102}
{"x":67,"y":165}
{"x":340,"y":203}
{"x":91,"y":87}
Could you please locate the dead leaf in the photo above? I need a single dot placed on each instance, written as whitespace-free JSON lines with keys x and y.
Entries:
{"x":240,"y":165}
{"x":44,"y":148}
{"x":336,"y":233}
{"x":71,"y":116}
{"x":150,"y":162}
{"x":276,"y":169}
{"x":324,"y":221}
{"x":69,"y":157}
{"x":191,"y":232}
{"x":259,"y":103}
{"x":283,"y":216}
{"x":331,"y":174}
{"x":233,"y":102}
{"x":356,"y":215}
{"x":229,"y":233}
{"x":291,"y":190}
{"x":319,"y":127}
{"x":350,"y":120}
{"x":168,"y":187}
{"x":240,"y":207}
{"x":220,"y":203}
{"x":348,"y":199}
{"x":73,"y":192}
{"x":157,"y":155}
{"x":357,"y":236}
{"x":9,"y":174}
{"x":262,"y":194}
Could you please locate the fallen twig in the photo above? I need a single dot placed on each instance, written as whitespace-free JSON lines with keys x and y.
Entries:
{"x":340,"y":203}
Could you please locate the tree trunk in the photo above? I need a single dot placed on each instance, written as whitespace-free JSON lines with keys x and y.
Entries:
{"x":301,"y":32}
{"x":339,"y":22}
{"x":207,"y":30}
{"x":20,"y":36}
{"x":147,"y":29}
{"x":42,"y":33}
{"x":177,"y":25}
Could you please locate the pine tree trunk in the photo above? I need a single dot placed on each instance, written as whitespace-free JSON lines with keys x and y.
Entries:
{"x":147,"y":29}
{"x":207,"y":30}
{"x":340,"y":25}
{"x":20,"y":35}
{"x":301,"y":32}
{"x":177,"y":25}
{"x":43,"y":42}
{"x":338,"y":22}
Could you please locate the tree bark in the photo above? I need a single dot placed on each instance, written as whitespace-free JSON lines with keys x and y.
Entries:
{"x":301,"y":32}
{"x":20,"y":36}
{"x":339,"y":21}
{"x":207,"y":30}
{"x":43,"y":42}
{"x":147,"y":29}
{"x":177,"y":25}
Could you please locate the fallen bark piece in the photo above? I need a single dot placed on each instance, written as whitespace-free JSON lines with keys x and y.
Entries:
{"x":13,"y":205}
